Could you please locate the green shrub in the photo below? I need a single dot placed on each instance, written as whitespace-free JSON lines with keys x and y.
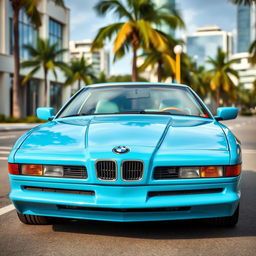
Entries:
{"x":32,"y":119}
{"x":246,"y":113}
{"x":27,"y":119}
{"x":2,"y":118}
{"x":12,"y":120}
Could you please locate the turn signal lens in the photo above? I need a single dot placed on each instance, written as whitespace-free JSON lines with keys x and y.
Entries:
{"x":32,"y":169}
{"x":233,"y":170}
{"x":211,"y":171}
{"x":13,"y":169}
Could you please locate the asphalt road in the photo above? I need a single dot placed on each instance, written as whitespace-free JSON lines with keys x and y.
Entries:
{"x":158,"y":238}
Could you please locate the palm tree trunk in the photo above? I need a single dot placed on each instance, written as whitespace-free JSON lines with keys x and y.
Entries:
{"x":79,"y":84}
{"x":16,"y":111}
{"x":159,"y":71}
{"x":217,"y":97}
{"x":45,"y":88}
{"x":134,"y":66}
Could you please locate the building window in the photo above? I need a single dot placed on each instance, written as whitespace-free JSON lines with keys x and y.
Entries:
{"x":55,"y":96}
{"x":56,"y":32}
{"x":27,"y":33}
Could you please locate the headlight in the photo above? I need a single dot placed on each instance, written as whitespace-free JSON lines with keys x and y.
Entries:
{"x":53,"y":170}
{"x":42,"y":170}
{"x":189,"y":172}
{"x":201,"y":172}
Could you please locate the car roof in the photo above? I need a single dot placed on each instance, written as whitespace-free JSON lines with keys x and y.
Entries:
{"x":136,"y":83}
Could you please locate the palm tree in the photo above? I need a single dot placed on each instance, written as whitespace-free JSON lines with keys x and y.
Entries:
{"x":141,"y":17}
{"x":162,"y":62}
{"x":46,"y":56}
{"x":30,"y":8}
{"x":221,"y":73}
{"x":79,"y":70}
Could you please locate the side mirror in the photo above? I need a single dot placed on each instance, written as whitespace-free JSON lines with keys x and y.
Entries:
{"x":45,"y":113}
{"x":226,"y":113}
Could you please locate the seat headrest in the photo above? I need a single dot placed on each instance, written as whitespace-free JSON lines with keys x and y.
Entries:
{"x":105,"y":106}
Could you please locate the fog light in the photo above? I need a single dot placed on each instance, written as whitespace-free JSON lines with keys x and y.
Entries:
{"x":189,"y":172}
{"x":211,"y":171}
{"x":53,"y":170}
{"x":32,"y":169}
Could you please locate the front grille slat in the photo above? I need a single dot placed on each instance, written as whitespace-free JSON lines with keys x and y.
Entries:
{"x":106,"y":170}
{"x":132,"y":170}
{"x":165,"y":173}
{"x":73,"y":171}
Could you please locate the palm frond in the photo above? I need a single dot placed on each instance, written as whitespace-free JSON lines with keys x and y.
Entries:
{"x":243,"y":2}
{"x":116,"y":6}
{"x":30,"y":63}
{"x":252,"y":50}
{"x":123,"y":35}
{"x":30,"y":74}
{"x":105,"y":33}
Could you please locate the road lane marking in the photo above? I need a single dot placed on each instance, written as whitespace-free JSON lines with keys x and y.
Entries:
{"x":3,"y":158}
{"x":5,"y":148}
{"x":6,"y":209}
{"x":4,"y":152}
{"x":8,"y":137}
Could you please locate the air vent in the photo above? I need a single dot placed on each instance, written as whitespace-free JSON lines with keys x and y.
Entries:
{"x":132,"y":170}
{"x":106,"y":170}
{"x":166,"y":173}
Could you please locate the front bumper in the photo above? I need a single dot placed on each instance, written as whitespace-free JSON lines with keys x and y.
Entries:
{"x":125,"y":203}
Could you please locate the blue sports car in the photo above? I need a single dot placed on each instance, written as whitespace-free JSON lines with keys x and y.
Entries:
{"x":128,"y":152}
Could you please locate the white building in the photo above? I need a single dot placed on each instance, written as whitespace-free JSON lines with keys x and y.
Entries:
{"x":246,"y":71}
{"x":205,"y":42}
{"x":98,"y":58}
{"x":55,"y":26}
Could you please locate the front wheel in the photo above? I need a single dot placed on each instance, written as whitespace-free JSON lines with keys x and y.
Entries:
{"x":229,"y":221}
{"x":33,"y":219}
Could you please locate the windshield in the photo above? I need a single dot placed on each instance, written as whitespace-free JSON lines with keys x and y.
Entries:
{"x":141,"y":99}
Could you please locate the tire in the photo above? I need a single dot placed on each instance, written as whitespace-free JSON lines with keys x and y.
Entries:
{"x":33,"y":219}
{"x":229,"y":221}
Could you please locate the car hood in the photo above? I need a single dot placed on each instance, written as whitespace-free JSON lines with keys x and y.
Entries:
{"x":84,"y":137}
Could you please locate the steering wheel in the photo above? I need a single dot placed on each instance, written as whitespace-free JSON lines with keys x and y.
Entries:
{"x":173,"y":108}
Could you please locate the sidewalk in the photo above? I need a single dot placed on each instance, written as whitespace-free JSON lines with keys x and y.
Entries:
{"x":16,"y":126}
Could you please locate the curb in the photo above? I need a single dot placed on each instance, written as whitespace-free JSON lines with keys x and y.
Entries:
{"x":17,"y":127}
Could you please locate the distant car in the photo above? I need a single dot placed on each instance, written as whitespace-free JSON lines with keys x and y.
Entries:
{"x":128,"y":152}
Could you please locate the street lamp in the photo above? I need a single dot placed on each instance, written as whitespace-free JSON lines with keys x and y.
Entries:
{"x":178,"y":50}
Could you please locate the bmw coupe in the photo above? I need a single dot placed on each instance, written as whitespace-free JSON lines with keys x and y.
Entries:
{"x":128,"y":152}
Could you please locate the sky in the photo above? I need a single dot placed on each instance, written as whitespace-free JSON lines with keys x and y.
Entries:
{"x":196,"y":13}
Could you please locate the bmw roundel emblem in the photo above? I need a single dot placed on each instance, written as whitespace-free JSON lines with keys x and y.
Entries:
{"x":120,"y":150}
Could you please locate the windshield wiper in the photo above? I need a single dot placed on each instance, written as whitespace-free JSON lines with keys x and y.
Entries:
{"x":144,"y":112}
{"x":83,"y":114}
